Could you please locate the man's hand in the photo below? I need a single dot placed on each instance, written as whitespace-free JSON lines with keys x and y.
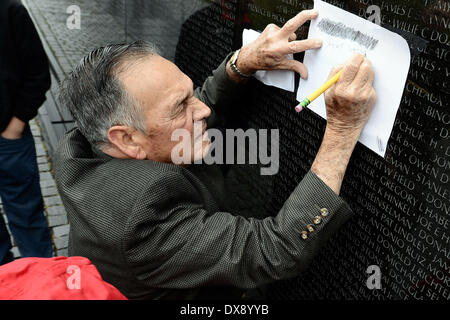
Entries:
{"x":349,"y":104}
{"x":350,"y":101}
{"x":14,"y":129}
{"x":270,"y":50}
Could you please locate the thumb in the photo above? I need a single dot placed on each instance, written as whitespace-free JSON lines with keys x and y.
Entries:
{"x":335,"y":70}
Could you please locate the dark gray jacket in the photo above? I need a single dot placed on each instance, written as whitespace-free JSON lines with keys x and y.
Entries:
{"x":154,"y":230}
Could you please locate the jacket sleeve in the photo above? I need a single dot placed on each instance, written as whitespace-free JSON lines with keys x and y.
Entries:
{"x":219,"y":93}
{"x":35,"y":75}
{"x":174,"y":243}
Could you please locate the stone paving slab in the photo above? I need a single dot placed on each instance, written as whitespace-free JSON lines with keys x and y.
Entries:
{"x":61,"y":231}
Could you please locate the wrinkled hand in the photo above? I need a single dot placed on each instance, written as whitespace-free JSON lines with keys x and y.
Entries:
{"x":14,"y":129}
{"x":270,"y":50}
{"x":350,"y":101}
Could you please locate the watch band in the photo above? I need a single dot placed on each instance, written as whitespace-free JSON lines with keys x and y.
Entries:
{"x":235,"y":68}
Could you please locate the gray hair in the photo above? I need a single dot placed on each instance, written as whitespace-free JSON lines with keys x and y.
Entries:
{"x":96,"y":97}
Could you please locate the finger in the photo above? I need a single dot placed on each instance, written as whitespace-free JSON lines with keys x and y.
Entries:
{"x":293,"y":37}
{"x":296,"y":66}
{"x":271,"y":27}
{"x":293,"y":24}
{"x":351,"y":68}
{"x":365,"y":74}
{"x":303,"y":45}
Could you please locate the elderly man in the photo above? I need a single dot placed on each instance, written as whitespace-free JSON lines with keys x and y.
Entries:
{"x":153,"y":228}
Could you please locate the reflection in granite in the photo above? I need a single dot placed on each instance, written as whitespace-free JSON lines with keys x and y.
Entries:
{"x":159,"y":22}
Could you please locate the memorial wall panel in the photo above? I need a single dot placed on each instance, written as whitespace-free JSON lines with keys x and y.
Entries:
{"x":401,"y":202}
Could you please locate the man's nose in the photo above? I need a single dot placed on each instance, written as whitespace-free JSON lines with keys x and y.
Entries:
{"x":201,"y":111}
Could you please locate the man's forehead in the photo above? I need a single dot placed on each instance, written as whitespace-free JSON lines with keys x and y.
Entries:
{"x":154,"y":80}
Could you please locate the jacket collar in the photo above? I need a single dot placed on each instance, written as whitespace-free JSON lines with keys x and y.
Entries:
{"x":100,"y":154}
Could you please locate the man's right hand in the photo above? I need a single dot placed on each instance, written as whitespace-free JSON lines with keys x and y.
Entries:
{"x":350,"y":101}
{"x":349,"y":104}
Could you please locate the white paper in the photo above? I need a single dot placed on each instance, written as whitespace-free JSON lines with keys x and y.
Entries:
{"x":283,"y":79}
{"x":390,"y":59}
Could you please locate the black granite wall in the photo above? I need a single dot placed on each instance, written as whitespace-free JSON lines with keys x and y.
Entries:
{"x":401,"y":202}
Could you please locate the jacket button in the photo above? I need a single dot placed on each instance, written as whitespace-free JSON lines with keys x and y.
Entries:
{"x":310,"y":228}
{"x":304,"y":235}
{"x":317,"y":220}
{"x":324,"y":212}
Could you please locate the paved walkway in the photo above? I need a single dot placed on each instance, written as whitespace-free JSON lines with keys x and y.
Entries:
{"x":54,"y":210}
{"x":102,"y":22}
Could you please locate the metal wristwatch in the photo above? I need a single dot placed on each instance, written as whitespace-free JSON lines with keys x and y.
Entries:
{"x":235,"y":68}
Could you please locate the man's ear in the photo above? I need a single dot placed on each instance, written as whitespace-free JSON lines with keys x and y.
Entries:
{"x":128,"y":141}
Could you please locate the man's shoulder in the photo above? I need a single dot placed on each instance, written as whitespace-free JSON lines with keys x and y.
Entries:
{"x":74,"y":157}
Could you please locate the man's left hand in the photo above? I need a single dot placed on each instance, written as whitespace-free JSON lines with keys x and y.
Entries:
{"x":14,"y":129}
{"x":270,"y":50}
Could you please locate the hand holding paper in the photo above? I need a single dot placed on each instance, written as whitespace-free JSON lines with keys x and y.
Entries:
{"x":350,"y":101}
{"x":343,"y":34}
{"x":270,"y":53}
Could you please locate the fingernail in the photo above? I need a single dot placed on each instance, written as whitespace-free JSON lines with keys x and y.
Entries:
{"x":314,"y":11}
{"x":319,"y":42}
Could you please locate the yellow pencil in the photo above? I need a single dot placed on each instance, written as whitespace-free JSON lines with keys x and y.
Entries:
{"x":318,"y":92}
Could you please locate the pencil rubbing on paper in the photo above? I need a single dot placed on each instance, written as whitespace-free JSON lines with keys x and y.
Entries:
{"x":338,"y":29}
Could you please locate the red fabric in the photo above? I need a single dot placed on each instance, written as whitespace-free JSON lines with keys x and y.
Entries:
{"x":59,"y":278}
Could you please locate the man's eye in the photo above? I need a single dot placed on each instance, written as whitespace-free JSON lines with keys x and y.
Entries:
{"x":183,"y":105}
{"x":181,"y":108}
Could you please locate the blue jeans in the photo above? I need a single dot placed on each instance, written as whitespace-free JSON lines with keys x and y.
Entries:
{"x":22,"y":200}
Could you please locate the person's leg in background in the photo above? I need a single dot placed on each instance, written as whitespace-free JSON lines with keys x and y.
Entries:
{"x":22,"y":198}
